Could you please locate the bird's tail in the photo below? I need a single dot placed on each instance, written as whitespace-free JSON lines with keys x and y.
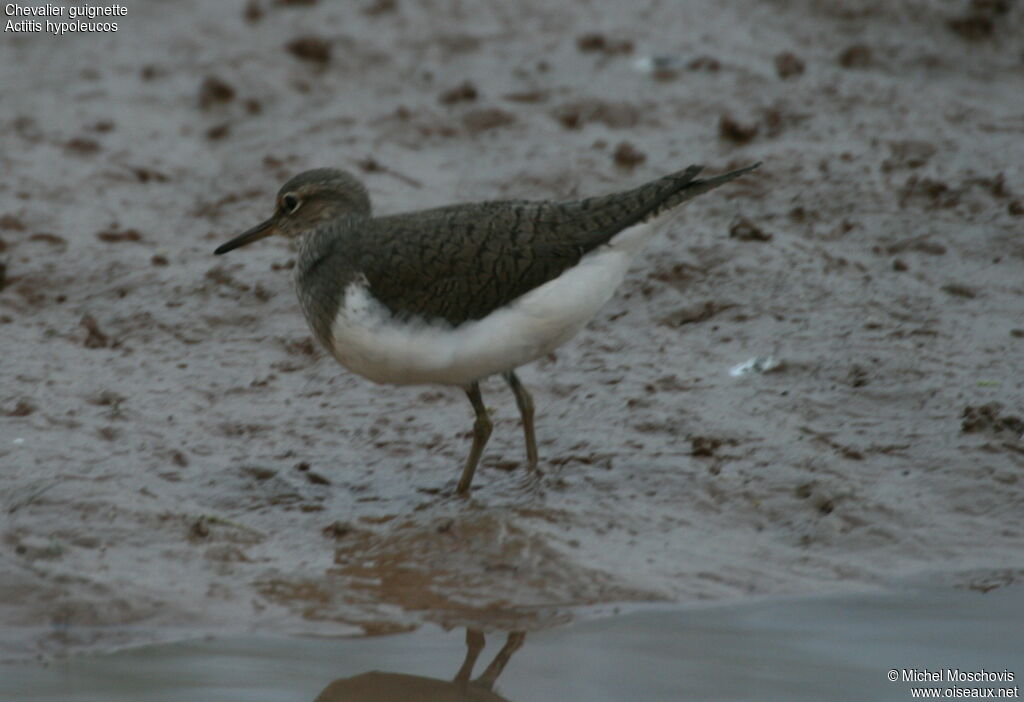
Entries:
{"x":673,"y":190}
{"x":602,"y":217}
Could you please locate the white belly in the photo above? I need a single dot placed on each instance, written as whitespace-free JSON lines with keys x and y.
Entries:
{"x":369,"y":341}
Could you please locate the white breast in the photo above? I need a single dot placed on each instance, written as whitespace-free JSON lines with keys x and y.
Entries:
{"x":369,"y":341}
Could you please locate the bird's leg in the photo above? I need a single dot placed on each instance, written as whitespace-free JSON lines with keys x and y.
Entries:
{"x":490,"y":675}
{"x":474,"y":644}
{"x":481,"y":432}
{"x":525,"y":402}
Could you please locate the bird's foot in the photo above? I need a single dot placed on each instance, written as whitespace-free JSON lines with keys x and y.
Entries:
{"x":533,"y":481}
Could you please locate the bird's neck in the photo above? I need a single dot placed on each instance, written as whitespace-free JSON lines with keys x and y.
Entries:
{"x":321,"y":274}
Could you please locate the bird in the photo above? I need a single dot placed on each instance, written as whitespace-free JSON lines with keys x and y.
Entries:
{"x":455,"y":294}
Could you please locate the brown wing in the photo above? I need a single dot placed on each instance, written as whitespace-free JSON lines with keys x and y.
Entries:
{"x":460,"y":263}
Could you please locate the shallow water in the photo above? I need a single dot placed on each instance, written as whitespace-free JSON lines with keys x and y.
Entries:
{"x":827,"y":648}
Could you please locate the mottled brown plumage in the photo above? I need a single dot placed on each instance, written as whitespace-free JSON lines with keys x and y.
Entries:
{"x":460,"y":263}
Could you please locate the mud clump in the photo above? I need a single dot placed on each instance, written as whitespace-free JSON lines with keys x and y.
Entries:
{"x":464,"y":92}
{"x":769,"y":122}
{"x":23,"y":408}
{"x":788,"y":65}
{"x":95,"y":338}
{"x":151,"y":72}
{"x":745,"y":230}
{"x":338,"y":530}
{"x":960,"y":290}
{"x":972,"y":27}
{"x":218,"y":131}
{"x":215,"y":91}
{"x":616,"y":115}
{"x":704,"y":446}
{"x":253,"y":11}
{"x":12,"y":223}
{"x":312,"y":476}
{"x":917,"y":243}
{"x":934,"y":194}
{"x":113,"y":236}
{"x":595,"y":42}
{"x":732,"y":130}
{"x":628,"y":156}
{"x":988,"y":418}
{"x":147,"y":175}
{"x":704,"y":63}
{"x":83,"y":146}
{"x":259,"y":473}
{"x":856,"y":56}
{"x":199,"y":530}
{"x":485,"y":119}
{"x":311,"y":49}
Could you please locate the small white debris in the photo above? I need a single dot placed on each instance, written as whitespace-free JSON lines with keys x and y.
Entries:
{"x":19,"y":441}
{"x":757,"y":364}
{"x":659,"y":65}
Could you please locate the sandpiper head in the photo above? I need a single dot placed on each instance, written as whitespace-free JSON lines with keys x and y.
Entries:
{"x":304,"y":202}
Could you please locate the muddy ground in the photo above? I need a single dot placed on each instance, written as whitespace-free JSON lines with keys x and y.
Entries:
{"x":176,"y":455}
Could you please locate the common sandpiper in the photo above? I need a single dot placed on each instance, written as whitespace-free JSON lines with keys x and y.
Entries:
{"x":455,"y":294}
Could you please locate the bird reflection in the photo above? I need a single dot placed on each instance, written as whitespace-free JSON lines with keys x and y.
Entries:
{"x":377,"y":686}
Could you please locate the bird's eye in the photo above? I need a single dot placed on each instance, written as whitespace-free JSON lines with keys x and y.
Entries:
{"x":290,"y":203}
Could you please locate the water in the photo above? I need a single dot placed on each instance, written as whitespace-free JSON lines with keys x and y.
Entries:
{"x":829,"y":648}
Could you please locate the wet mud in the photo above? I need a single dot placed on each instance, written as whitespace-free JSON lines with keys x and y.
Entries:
{"x":176,"y":454}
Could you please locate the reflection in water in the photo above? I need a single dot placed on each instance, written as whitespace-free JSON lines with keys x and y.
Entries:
{"x":800,"y":650}
{"x":376,"y":686}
